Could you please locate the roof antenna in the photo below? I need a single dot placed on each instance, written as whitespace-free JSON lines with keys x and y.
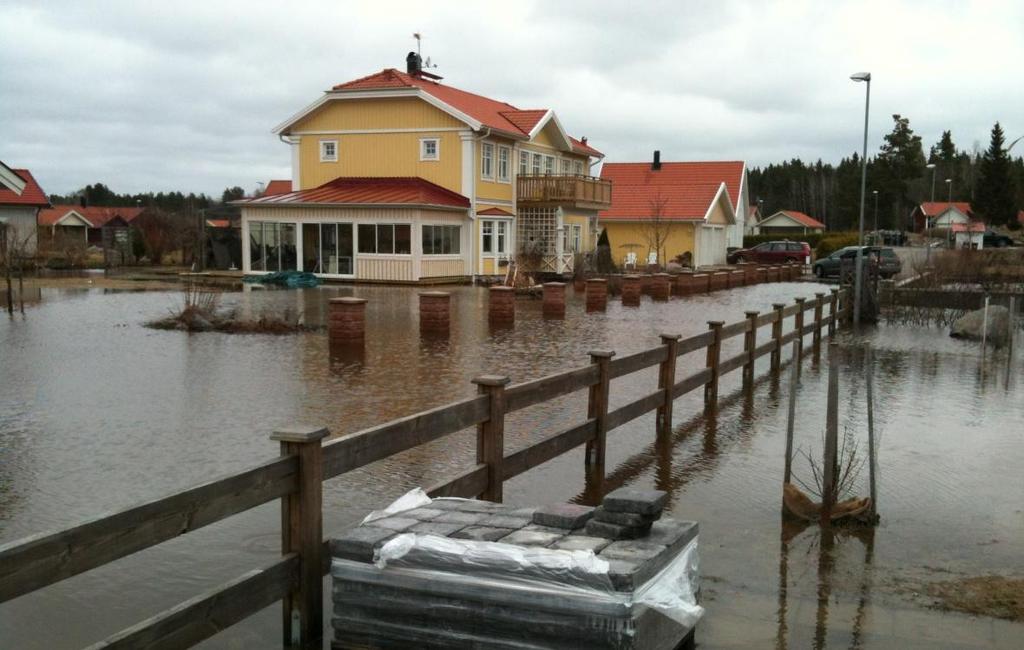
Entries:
{"x":423,"y":65}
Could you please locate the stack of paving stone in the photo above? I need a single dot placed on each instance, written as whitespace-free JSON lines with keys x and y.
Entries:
{"x":627,"y":513}
{"x":424,"y":601}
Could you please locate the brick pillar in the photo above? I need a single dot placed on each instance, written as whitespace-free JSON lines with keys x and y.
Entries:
{"x":661,"y":287}
{"x":700,"y":283}
{"x":736,"y":278}
{"x":346,"y":321}
{"x":681,"y":284}
{"x":631,"y":290}
{"x":554,"y":299}
{"x":597,"y":294}
{"x":646,"y":281}
{"x":762,"y":274}
{"x":749,"y":274}
{"x":501,"y":304}
{"x":435,"y":312}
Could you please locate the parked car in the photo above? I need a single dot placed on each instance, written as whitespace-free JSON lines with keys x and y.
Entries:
{"x":889,"y":263}
{"x":773,"y":252}
{"x":992,"y":239}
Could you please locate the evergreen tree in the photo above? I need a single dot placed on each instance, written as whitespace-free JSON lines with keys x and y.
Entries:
{"x":995,"y":193}
{"x":900,"y":162}
{"x":232,"y":194}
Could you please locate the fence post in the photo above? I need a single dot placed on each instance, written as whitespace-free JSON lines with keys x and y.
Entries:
{"x":829,"y":469}
{"x":597,"y":408}
{"x":714,"y":355}
{"x":490,"y":435}
{"x":799,"y":325}
{"x":667,"y":382}
{"x":833,"y":312}
{"x":777,"y":336}
{"x":302,"y":533}
{"x":819,"y":304}
{"x":749,"y":344}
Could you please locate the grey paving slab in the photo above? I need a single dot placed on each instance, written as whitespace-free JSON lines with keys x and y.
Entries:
{"x":596,"y":528}
{"x":482,"y":533}
{"x":563,"y":515}
{"x":531,"y":538}
{"x":581,"y":543}
{"x":624,"y":518}
{"x":359,"y":543}
{"x":623,"y":574}
{"x":436,"y":528}
{"x":505,"y":521}
{"x":644,"y":502}
{"x":672,"y":533}
{"x":395,"y":523}
{"x":476,"y":505}
{"x":459,"y":517}
{"x":632,"y":551}
{"x":546,"y":529}
{"x":423,"y":514}
{"x":522,"y":512}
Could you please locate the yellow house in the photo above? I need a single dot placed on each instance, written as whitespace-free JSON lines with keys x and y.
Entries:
{"x":398,"y":177}
{"x":664,"y":210}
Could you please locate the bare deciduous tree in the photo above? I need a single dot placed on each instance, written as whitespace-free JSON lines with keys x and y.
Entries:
{"x":657,"y":229}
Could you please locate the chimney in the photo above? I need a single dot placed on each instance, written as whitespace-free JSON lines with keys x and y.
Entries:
{"x":413,"y":64}
{"x":583,"y":141}
{"x":656,"y":165}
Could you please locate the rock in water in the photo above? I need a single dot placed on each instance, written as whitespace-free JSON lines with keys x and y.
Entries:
{"x":969,"y":326}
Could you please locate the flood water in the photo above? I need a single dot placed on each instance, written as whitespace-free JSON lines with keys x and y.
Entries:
{"x":98,"y":412}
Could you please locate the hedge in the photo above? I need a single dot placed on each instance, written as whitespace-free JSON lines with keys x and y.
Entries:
{"x":833,"y":242}
{"x":824,"y":244}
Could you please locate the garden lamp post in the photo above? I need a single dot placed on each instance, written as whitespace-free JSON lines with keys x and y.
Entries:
{"x":857,"y":279}
{"x":928,"y":220}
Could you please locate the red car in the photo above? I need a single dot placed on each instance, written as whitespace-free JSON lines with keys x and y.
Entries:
{"x":773,"y":252}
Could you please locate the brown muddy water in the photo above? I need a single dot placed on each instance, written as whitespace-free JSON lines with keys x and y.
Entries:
{"x":97,"y":412}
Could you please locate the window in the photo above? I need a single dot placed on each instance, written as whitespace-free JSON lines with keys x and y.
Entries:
{"x":487,"y":160}
{"x":272,"y":246}
{"x":504,"y":165}
{"x":549,"y":165}
{"x":524,"y":163}
{"x":579,"y":167}
{"x":566,"y":167}
{"x":328,"y":151}
{"x":430,"y":149}
{"x":571,"y":238}
{"x":385,"y":238}
{"x":441,"y":240}
{"x":495,"y":237}
{"x":536,"y":163}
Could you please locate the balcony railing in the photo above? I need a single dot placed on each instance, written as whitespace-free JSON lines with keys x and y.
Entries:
{"x":585,"y":192}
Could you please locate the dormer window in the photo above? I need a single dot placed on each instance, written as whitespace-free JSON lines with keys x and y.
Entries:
{"x":430,"y":149}
{"x":328,"y":151}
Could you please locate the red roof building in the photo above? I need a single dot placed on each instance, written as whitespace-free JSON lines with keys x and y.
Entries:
{"x":352,"y":192}
{"x":276,"y":187}
{"x":940,"y":214}
{"x":785,"y":221}
{"x":87,"y":223}
{"x":21,"y":199}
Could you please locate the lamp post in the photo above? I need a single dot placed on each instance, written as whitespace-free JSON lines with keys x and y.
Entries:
{"x":857,"y":280}
{"x":875,"y":192}
{"x":928,"y":220}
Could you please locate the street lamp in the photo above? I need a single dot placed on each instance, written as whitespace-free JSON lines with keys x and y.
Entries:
{"x":875,"y":192}
{"x":928,"y":220}
{"x":865,"y":77}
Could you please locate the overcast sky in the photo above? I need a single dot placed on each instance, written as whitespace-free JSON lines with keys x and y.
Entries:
{"x":183,"y":95}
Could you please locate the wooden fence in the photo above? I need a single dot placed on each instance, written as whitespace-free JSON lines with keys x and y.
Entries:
{"x":295,"y":477}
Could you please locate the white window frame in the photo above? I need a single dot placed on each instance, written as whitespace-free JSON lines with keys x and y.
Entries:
{"x":578,"y":167}
{"x":537,"y":164}
{"x":323,"y":156}
{"x":549,"y":165}
{"x":506,"y":175}
{"x":424,"y":157}
{"x":524,"y":162}
{"x":565,"y":167}
{"x":487,"y":161}
{"x":499,"y":231}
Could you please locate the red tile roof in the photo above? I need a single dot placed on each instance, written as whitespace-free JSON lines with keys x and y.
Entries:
{"x":496,"y":115}
{"x":98,"y":216}
{"x":32,"y":195}
{"x":802,"y":218}
{"x":974,"y":226}
{"x":411,"y":191}
{"x":277,"y":187}
{"x":685,"y":188}
{"x":495,"y":212}
{"x":219,"y":223}
{"x":931,"y":209}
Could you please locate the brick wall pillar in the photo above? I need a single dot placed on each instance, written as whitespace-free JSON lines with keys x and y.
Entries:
{"x":435,"y":312}
{"x":631,"y":290}
{"x":501,"y":304}
{"x":554,"y":299}
{"x":346,"y":321}
{"x":597,"y":294}
{"x":661,"y":286}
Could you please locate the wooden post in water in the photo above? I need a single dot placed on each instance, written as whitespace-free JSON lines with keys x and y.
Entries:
{"x":869,"y":362}
{"x":490,"y":435}
{"x":597,"y":408}
{"x":749,"y":345}
{"x":1013,"y":328}
{"x":833,"y":312}
{"x":794,"y":379}
{"x":777,"y":337}
{"x":302,"y":533}
{"x":713,"y":357}
{"x":828,"y":480}
{"x":984,"y":328}
{"x":799,"y":326}
{"x":819,"y":304}
{"x":666,"y":383}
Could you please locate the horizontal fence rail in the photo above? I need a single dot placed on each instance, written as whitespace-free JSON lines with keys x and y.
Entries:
{"x":37,"y":561}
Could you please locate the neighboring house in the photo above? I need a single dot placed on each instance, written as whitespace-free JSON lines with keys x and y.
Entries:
{"x":21,"y":199}
{"x":677,"y":207}
{"x":398,"y":177}
{"x":968,"y":235}
{"x":276,"y":187}
{"x":787,"y":222}
{"x":753,"y":216}
{"x":936,"y":214}
{"x":105,"y":227}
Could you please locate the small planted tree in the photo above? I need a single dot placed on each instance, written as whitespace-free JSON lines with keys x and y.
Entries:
{"x":657,"y":230}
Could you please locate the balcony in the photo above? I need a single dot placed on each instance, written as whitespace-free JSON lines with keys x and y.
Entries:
{"x":583,"y":192}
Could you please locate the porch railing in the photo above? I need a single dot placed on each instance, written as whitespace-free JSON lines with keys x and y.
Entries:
{"x":576,"y":191}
